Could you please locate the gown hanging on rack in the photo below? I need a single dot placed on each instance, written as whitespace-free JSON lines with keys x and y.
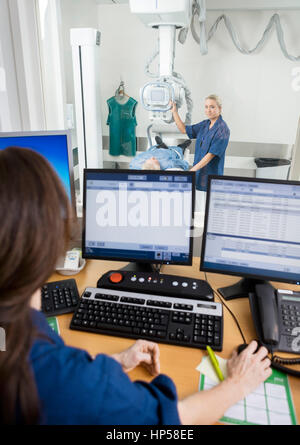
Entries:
{"x":122,"y":123}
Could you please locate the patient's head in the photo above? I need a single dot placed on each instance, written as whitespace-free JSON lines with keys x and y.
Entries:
{"x":151,"y":164}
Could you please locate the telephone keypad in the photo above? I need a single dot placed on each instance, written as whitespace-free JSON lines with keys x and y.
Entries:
{"x":290,"y":316}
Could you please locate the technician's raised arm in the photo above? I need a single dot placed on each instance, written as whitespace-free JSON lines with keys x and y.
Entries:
{"x":177,"y":119}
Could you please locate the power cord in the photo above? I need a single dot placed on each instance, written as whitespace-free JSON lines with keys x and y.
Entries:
{"x":157,"y":267}
{"x":276,"y":361}
{"x":229,"y":310}
{"x":286,"y":361}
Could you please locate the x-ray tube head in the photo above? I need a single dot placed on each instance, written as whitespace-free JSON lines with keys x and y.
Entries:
{"x":156,"y":96}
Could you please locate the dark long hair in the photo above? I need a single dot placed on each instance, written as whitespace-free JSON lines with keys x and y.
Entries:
{"x":34,"y":227}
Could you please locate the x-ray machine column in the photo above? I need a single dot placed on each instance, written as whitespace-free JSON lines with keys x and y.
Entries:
{"x":86,"y":70}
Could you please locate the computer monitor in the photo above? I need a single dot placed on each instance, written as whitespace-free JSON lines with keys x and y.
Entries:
{"x":55,"y":146}
{"x":251,"y":229}
{"x":142,"y":217}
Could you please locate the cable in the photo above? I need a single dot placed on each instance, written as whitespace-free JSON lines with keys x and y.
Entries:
{"x":199,"y":9}
{"x":229,"y":310}
{"x":276,"y":362}
{"x":188,"y":97}
{"x":286,"y":361}
{"x":149,"y":135}
{"x":177,"y":78}
{"x":149,"y":61}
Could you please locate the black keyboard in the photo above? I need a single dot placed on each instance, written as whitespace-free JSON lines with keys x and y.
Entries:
{"x":59,"y":297}
{"x":171,"y":320}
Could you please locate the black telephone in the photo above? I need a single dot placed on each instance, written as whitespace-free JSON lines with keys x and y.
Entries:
{"x":268,"y":314}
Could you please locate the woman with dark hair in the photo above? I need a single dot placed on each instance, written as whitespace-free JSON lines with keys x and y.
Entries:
{"x":44,"y":381}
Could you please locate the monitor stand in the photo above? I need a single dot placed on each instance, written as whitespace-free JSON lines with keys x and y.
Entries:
{"x":140,"y":267}
{"x":241,"y":289}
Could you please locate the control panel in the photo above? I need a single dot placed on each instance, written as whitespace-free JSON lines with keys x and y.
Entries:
{"x":156,"y":283}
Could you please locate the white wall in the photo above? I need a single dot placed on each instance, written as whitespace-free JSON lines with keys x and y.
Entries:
{"x":260,"y":104}
{"x":75,"y":14}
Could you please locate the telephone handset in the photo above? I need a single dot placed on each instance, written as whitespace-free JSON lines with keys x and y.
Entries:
{"x":269,"y":325}
{"x":268,"y":311}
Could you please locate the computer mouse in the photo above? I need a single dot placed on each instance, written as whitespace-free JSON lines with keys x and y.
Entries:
{"x":243,"y":346}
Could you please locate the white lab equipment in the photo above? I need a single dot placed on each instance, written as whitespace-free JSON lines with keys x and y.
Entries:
{"x":161,"y":12}
{"x":85,"y":53}
{"x":166,"y":16}
{"x":156,"y":96}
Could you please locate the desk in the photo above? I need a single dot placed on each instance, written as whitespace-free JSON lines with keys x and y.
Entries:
{"x":177,"y":362}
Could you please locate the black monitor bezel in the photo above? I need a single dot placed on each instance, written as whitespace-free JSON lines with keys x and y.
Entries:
{"x":143,"y":261}
{"x":244,"y":179}
{"x":66,"y":133}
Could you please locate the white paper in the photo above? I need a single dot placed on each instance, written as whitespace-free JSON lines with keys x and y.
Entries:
{"x":279,"y":419}
{"x":206,"y":368}
{"x":236,"y":412}
{"x":275,"y":390}
{"x":278,"y":405}
{"x":257,"y":416}
{"x":256,"y":401}
{"x":266,"y":404}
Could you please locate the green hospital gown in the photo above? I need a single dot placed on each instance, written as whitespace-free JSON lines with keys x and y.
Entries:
{"x":122,"y":123}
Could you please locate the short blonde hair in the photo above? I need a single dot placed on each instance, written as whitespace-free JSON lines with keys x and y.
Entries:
{"x":216,"y":99}
{"x":150,"y":165}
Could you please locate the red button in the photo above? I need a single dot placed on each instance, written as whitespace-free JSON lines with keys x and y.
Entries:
{"x":116,"y":277}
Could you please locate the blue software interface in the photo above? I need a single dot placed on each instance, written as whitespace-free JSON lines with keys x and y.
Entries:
{"x":143,"y":216}
{"x":253,"y":228}
{"x":53,"y":147}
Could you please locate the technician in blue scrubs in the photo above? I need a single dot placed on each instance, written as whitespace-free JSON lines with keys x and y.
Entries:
{"x":212,"y":137}
{"x":44,"y":381}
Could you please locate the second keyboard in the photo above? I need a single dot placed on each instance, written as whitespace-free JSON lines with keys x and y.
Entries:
{"x":162,"y":319}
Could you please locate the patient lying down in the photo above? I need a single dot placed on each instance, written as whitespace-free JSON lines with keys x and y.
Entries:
{"x":162,"y":157}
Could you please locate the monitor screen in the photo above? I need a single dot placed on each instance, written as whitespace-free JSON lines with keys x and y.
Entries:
{"x":252,"y":228}
{"x":144,"y":217}
{"x":54,"y":146}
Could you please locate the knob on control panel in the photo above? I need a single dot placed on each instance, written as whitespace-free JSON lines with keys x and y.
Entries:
{"x":116,"y":277}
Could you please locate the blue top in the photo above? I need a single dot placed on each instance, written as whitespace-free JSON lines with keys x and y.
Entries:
{"x":171,"y":157}
{"x":215,"y":141}
{"x":75,"y":389}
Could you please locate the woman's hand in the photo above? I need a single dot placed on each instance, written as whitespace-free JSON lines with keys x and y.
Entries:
{"x":173,"y":105}
{"x":249,"y":368}
{"x":144,"y":353}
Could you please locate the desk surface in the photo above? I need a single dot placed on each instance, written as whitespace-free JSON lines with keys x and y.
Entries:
{"x":177,"y":362}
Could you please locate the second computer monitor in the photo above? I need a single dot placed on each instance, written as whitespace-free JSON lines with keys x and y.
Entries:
{"x":141,"y":217}
{"x":252,"y":228}
{"x":55,"y":146}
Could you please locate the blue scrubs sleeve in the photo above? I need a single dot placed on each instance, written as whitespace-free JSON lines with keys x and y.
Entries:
{"x":219,"y":142}
{"x":132,"y":403}
{"x":74,"y":389}
{"x":193,"y":130}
